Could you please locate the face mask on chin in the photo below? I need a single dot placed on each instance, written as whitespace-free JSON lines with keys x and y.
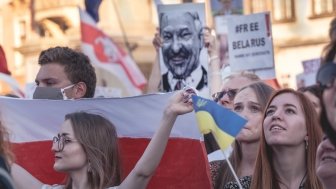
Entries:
{"x":51,"y":93}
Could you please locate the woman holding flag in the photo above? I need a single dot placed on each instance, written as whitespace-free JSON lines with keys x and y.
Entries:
{"x":287,"y":150}
{"x":250,"y":102}
{"x":86,"y":148}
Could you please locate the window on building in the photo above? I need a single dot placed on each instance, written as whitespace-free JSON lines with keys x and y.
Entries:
{"x":322,"y":8}
{"x":255,"y":6}
{"x":22,"y":30}
{"x":281,"y":10}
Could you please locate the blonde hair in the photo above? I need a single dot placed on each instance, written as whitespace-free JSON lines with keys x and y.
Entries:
{"x":244,"y":74}
{"x":263,"y":93}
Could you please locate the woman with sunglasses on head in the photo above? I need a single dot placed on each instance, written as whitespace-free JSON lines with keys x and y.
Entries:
{"x":326,"y":153}
{"x":249,"y":102}
{"x":86,"y":148}
{"x":231,"y":84}
{"x":287,"y":149}
{"x":326,"y":79}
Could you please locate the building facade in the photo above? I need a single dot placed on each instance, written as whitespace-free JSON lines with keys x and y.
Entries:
{"x":300,"y":31}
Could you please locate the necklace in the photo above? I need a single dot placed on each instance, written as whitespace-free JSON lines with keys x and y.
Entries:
{"x":303,"y":181}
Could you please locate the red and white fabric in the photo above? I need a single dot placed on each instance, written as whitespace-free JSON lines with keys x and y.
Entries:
{"x":33,"y":123}
{"x":105,"y":53}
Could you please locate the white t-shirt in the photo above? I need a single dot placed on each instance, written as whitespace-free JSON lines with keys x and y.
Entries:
{"x":56,"y":186}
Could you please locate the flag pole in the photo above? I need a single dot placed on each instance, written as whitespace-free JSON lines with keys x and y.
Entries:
{"x":232,"y":170}
{"x":127,"y":44}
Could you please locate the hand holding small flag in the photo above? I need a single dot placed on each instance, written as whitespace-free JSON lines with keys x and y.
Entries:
{"x":223,"y":123}
{"x":181,"y":102}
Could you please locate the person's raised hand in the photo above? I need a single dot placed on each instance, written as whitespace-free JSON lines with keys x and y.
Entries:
{"x":210,"y":42}
{"x":157,"y":41}
{"x":180,"y":102}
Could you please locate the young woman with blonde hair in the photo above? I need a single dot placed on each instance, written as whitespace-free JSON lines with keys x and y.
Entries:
{"x":250,"y":102}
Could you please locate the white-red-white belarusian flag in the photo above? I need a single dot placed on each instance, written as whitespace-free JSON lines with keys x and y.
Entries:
{"x":5,"y":75}
{"x":104,"y":53}
{"x":33,"y":123}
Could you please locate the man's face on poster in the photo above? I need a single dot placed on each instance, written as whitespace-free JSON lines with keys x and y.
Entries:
{"x":181,"y":43}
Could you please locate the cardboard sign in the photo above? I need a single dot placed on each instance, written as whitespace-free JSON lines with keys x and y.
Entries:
{"x":311,"y":66}
{"x":250,"y":42}
{"x":305,"y":80}
{"x":308,"y":77}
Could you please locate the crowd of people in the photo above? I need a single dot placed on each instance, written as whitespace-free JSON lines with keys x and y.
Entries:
{"x":289,"y":140}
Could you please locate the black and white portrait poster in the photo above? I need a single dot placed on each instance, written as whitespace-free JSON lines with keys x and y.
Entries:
{"x":183,"y":58}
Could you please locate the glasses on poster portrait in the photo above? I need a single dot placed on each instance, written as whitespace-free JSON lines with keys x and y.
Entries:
{"x":230,"y":92}
{"x":61,"y":140}
{"x":326,"y":75}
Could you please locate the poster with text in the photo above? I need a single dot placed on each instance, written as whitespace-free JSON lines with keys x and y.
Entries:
{"x":250,"y":42}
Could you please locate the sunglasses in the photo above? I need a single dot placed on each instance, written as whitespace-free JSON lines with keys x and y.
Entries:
{"x":326,"y":75}
{"x":231,"y":94}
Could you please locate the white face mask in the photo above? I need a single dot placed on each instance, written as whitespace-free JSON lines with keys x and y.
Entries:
{"x":63,"y":91}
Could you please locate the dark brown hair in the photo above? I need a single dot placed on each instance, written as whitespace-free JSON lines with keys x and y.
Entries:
{"x":77,"y":66}
{"x":329,"y":50}
{"x":99,"y":139}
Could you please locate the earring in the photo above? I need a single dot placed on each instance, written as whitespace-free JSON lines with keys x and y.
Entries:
{"x":89,"y":167}
{"x":306,"y":141}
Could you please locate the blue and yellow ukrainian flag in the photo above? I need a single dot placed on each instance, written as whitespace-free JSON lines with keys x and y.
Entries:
{"x":221,"y":122}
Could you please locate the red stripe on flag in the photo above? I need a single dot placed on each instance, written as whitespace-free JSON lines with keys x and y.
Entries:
{"x":37,"y":159}
{"x":184,"y":164}
{"x":3,"y":62}
{"x":91,"y":35}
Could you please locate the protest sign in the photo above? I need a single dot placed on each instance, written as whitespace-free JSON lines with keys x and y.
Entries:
{"x":308,"y":77}
{"x":311,"y":66}
{"x":250,"y":42}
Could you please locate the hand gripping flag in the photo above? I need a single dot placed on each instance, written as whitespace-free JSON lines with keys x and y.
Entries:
{"x":104,"y":53}
{"x":221,"y":122}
